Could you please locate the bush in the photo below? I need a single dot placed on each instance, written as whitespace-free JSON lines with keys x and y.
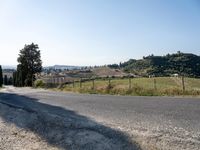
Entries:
{"x":39,"y":84}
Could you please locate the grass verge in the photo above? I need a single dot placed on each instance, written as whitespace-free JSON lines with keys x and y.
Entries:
{"x":159,"y":86}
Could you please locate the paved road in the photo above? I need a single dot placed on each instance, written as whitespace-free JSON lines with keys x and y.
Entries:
{"x":163,"y":122}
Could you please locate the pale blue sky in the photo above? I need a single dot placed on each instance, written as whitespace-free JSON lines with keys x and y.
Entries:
{"x":98,"y":32}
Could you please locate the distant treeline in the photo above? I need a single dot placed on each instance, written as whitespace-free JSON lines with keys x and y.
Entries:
{"x":179,"y":63}
{"x":4,"y":79}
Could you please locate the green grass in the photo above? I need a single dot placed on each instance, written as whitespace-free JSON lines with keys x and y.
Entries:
{"x":139,"y":86}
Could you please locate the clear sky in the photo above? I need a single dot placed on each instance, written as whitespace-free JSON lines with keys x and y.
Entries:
{"x":98,"y":32}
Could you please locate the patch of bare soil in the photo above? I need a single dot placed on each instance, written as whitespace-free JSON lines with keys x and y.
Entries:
{"x":105,"y":71}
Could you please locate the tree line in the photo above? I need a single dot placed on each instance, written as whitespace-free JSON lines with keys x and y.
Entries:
{"x":4,"y":79}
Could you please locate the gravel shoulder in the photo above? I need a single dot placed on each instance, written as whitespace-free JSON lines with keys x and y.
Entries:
{"x":22,"y":129}
{"x":14,"y":137}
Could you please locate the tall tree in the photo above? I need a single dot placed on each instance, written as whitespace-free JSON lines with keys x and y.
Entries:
{"x":1,"y":77}
{"x":10,"y":81}
{"x":5,"y":80}
{"x":29,"y":64}
{"x":15,"y":78}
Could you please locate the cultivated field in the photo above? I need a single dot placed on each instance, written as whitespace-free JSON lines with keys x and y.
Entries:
{"x":138,"y":86}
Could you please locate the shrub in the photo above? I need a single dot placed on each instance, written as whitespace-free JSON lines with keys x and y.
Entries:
{"x":39,"y":84}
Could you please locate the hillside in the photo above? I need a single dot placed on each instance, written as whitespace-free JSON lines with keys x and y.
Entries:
{"x":107,"y":72}
{"x":181,"y":63}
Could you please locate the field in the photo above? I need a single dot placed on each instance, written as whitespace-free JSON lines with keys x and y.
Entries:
{"x":137,"y":86}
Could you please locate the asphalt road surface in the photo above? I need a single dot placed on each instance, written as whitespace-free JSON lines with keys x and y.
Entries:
{"x":154,"y":122}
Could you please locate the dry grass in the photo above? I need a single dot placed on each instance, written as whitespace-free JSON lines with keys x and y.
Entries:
{"x":139,"y":86}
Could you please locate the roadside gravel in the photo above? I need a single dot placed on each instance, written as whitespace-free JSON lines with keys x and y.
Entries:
{"x":23,"y":130}
{"x":13,"y":137}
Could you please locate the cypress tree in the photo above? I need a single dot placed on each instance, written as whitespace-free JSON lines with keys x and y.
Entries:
{"x":5,"y":80}
{"x":10,"y":81}
{"x":14,"y":78}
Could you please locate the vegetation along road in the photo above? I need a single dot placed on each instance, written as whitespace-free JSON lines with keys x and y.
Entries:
{"x":74,"y":121}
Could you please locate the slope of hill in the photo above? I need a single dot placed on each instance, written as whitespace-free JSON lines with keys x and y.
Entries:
{"x":108,"y":72}
{"x":181,"y":63}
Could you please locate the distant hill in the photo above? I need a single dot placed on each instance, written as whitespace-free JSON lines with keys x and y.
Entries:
{"x":8,"y":67}
{"x":63,"y":67}
{"x":182,"y":63}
